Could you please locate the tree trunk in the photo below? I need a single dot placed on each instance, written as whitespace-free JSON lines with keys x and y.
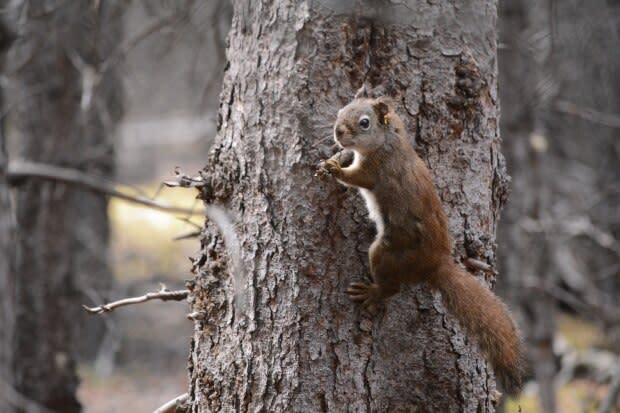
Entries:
{"x":7,"y":242}
{"x":299,"y":344}
{"x":65,"y":111}
{"x":527,"y":62}
{"x":7,"y":266}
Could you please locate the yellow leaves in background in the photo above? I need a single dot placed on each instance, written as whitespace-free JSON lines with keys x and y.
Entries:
{"x":142,"y":243}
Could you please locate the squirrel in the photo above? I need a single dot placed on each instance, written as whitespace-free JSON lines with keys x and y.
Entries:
{"x":413,"y":243}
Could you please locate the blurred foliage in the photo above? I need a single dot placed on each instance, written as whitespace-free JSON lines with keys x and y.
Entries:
{"x":579,"y":396}
{"x":142,"y":244}
{"x":579,"y":333}
{"x":576,"y":396}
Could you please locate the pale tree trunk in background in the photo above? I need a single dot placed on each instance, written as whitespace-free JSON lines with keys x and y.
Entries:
{"x":60,"y":118}
{"x":7,"y":257}
{"x":529,"y":90}
{"x":8,"y":248}
{"x":301,"y":345}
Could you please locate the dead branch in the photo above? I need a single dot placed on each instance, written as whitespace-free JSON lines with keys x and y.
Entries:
{"x":583,"y":305}
{"x":189,"y":235}
{"x":190,"y":222}
{"x":185,"y":181}
{"x":163,"y":294}
{"x":197,"y":315}
{"x":475,"y":264}
{"x":17,"y":170}
{"x":172,"y":405}
{"x":584,"y":226}
{"x":589,"y":114}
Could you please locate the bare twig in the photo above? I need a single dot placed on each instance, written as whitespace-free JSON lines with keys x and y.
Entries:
{"x":190,"y":222}
{"x":21,"y":169}
{"x":475,"y":264}
{"x":584,"y":226}
{"x":189,"y":235}
{"x":163,"y":294}
{"x":185,"y":181}
{"x":171,"y":406}
{"x":197,"y":315}
{"x":589,"y":114}
{"x":612,"y":394}
{"x":608,"y":315}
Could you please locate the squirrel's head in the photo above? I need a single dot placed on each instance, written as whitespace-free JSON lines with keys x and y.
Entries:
{"x":364,"y":124}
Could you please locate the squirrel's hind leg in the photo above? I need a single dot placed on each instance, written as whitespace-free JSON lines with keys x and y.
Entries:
{"x":365,"y":293}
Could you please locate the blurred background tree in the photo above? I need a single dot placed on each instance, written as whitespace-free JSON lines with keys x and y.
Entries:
{"x":64,"y":109}
{"x":558,"y":240}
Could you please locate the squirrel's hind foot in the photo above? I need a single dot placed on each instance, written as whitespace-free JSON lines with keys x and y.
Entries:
{"x":365,"y":293}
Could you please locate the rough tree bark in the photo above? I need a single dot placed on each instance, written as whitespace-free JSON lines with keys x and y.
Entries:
{"x":299,"y":344}
{"x":64,"y":111}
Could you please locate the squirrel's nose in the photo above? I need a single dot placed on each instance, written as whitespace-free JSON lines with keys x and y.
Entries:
{"x":340,"y":130}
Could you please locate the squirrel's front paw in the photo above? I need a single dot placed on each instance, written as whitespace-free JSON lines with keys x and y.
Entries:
{"x":330,"y":167}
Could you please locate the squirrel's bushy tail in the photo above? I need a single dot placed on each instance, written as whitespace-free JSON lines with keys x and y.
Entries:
{"x":485,"y":317}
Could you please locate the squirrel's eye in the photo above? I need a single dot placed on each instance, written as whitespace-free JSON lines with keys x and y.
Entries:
{"x":364,"y":122}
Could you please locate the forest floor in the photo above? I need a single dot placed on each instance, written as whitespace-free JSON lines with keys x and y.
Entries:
{"x":149,"y":367}
{"x":129,"y":390}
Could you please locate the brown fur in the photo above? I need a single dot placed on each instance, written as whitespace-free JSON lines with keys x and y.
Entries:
{"x":413,"y":242}
{"x":485,"y":317}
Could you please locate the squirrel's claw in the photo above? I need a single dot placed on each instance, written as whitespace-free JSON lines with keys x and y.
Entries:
{"x":321,"y":170}
{"x":370,"y":306}
{"x":330,"y":167}
{"x":364,"y":293}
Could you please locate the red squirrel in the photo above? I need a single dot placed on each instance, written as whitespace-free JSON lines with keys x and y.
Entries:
{"x":413,"y":243}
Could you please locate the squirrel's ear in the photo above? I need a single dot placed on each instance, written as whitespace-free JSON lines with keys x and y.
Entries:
{"x":381,"y":109}
{"x":361,"y":92}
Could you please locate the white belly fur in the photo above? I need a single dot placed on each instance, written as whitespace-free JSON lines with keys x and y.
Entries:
{"x":373,"y":210}
{"x":371,"y":202}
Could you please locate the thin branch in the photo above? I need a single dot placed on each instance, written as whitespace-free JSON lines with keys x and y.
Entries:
{"x":190,"y":222}
{"x":197,"y":315}
{"x":475,"y":264}
{"x":584,"y":226}
{"x":171,"y":406}
{"x":22,"y":169}
{"x":589,"y":114}
{"x":189,"y":235}
{"x":163,"y":294}
{"x":185,"y":181}
{"x":588,"y":308}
